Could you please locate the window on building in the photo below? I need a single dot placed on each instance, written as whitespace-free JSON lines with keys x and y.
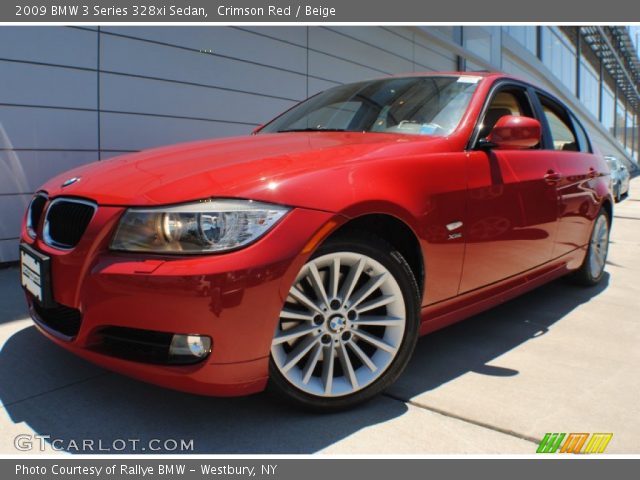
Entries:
{"x":446,"y":30}
{"x":526,"y":36}
{"x":636,"y":137}
{"x":589,"y":87}
{"x":629,"y":133}
{"x":558,"y":54}
{"x":620,"y":121}
{"x":608,"y":105}
{"x":478,"y":40}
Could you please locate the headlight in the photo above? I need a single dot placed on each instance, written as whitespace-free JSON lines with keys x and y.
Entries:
{"x":200,"y":227}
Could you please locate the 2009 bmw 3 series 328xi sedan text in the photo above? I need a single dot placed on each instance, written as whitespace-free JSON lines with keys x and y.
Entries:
{"x":312,"y":254}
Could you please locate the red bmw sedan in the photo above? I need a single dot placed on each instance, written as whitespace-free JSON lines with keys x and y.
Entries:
{"x":312,"y":254}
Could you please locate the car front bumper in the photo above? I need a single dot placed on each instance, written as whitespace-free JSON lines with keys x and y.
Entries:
{"x":235,"y":298}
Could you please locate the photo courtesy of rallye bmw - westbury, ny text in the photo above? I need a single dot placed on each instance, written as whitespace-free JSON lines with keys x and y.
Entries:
{"x":279,"y":239}
{"x":143,"y":471}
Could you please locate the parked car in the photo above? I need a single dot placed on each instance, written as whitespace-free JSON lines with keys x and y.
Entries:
{"x":620,"y":177}
{"x":313,"y":253}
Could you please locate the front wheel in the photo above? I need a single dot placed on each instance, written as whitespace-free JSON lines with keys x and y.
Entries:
{"x":592,"y":269}
{"x":348,"y":326}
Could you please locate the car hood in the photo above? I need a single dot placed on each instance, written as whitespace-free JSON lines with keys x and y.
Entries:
{"x":258,"y":166}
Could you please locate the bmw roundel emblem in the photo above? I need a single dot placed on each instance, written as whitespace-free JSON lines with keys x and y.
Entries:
{"x":70,"y":181}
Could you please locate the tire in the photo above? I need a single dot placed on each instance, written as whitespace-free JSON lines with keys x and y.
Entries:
{"x":592,"y":269}
{"x":346,"y":349}
{"x":617,"y":194}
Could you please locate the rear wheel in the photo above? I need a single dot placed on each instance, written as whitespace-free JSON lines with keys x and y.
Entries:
{"x":618,"y":193}
{"x":592,"y":269}
{"x":348,"y":326}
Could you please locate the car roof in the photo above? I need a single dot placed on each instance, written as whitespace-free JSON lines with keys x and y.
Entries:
{"x":482,"y":74}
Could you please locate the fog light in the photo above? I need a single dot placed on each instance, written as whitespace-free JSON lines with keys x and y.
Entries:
{"x":190,"y":346}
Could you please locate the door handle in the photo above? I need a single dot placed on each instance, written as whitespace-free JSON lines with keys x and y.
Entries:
{"x":592,"y":172}
{"x":552,"y":177}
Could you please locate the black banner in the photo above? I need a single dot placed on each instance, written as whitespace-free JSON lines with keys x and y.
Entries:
{"x":311,"y":469}
{"x":260,"y":11}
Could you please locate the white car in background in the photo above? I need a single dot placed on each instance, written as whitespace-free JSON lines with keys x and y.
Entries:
{"x":620,"y":177}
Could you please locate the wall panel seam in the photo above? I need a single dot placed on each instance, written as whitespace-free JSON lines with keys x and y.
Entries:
{"x":121,"y":112}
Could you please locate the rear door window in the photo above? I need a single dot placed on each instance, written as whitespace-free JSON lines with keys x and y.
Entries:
{"x":583,"y":139}
{"x":563,"y":137}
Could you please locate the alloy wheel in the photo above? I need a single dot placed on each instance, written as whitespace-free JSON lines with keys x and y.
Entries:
{"x":599,"y":246}
{"x":341,"y":326}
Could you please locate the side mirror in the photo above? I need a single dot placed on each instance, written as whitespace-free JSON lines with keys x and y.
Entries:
{"x":511,"y":132}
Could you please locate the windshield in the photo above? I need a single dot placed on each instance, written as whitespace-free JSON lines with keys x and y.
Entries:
{"x":414,"y":105}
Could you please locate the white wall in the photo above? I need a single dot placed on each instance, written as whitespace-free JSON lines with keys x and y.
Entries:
{"x":72,"y":95}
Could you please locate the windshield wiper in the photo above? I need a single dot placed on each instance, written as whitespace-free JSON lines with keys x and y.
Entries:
{"x":314,"y":130}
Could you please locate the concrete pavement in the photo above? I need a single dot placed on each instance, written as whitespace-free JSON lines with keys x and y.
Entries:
{"x":559,"y":359}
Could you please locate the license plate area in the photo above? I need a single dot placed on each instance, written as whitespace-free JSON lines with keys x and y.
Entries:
{"x":35,"y":275}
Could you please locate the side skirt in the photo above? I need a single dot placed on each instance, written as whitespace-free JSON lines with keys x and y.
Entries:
{"x":447,"y":312}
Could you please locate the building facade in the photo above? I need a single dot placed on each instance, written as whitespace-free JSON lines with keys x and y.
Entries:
{"x":72,"y":95}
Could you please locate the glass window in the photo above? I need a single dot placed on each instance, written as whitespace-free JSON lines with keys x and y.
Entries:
{"x":620,"y":121}
{"x":558,"y":54}
{"x":581,"y":134}
{"x":607,"y":109}
{"x":408,"y":105}
{"x":526,"y":36}
{"x":589,"y":87}
{"x":339,"y":115}
{"x":612,"y":162}
{"x":446,"y":30}
{"x":477,"y":40}
{"x":559,"y":122}
{"x":636,"y":137}
{"x":629,"y":133}
{"x":508,"y":101}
